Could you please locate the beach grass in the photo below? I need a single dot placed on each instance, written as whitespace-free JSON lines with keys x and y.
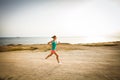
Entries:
{"x":61,"y":46}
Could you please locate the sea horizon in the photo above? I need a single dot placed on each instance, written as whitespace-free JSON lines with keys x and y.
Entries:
{"x":45,"y":40}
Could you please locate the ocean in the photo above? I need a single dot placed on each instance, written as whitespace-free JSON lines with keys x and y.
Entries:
{"x":45,"y":40}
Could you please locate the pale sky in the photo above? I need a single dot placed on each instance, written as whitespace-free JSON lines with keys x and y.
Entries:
{"x":61,"y":18}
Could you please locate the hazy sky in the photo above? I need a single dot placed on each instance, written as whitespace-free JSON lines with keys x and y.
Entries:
{"x":60,"y":17}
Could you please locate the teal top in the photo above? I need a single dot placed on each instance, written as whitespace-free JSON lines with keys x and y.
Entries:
{"x":54,"y":44}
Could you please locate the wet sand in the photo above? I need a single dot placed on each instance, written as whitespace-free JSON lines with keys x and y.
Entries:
{"x":90,"y":63}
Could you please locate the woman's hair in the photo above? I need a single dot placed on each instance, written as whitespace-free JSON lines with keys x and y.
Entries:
{"x":53,"y":36}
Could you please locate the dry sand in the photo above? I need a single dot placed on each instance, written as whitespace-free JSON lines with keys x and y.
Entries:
{"x":92,"y":63}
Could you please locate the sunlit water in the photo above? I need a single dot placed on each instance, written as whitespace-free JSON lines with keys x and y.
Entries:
{"x":44,"y":40}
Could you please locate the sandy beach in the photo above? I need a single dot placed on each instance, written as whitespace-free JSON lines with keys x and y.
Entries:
{"x":78,"y":63}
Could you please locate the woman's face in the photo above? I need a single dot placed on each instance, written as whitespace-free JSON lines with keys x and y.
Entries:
{"x":55,"y":38}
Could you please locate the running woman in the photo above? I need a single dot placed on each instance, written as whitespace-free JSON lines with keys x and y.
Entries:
{"x":53,"y":49}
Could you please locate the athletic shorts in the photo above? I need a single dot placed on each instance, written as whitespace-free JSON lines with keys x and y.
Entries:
{"x":53,"y":51}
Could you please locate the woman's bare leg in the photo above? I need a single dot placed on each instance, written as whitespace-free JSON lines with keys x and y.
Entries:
{"x":49,"y":55}
{"x":57,"y":57}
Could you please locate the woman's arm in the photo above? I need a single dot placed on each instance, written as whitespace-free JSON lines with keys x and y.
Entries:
{"x":49,"y":42}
